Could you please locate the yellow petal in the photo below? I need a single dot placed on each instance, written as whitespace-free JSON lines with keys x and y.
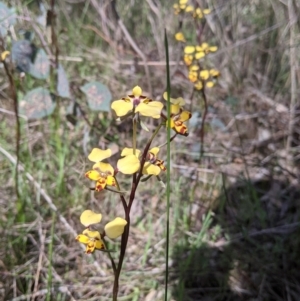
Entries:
{"x":181,"y":128}
{"x":183,"y":1}
{"x":180,"y":37}
{"x":189,"y":8}
{"x":151,"y":169}
{"x":89,"y":217}
{"x":210,"y":84}
{"x":189,"y":49}
{"x":101,"y":184}
{"x":137,"y":91}
{"x":99,"y":244}
{"x":175,"y":109}
{"x":204,"y":74}
{"x":184,"y":116}
{"x":199,"y":48}
{"x":129,"y":151}
{"x":4,"y":55}
{"x":194,"y":68}
{"x":121,"y":107}
{"x":204,"y":45}
{"x":115,"y":228}
{"x":199,"y":85}
{"x":102,"y":167}
{"x":129,"y":164}
{"x":154,"y":150}
{"x":83,"y":239}
{"x":111,"y":181}
{"x":152,"y":109}
{"x":98,"y":154}
{"x":199,"y":55}
{"x":214,"y":72}
{"x":93,"y":175}
{"x":91,"y":234}
{"x":213,"y":48}
{"x":206,"y":11}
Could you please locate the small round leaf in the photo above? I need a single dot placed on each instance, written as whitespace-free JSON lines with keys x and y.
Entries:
{"x":37,"y":103}
{"x":98,"y":95}
{"x":41,"y":67}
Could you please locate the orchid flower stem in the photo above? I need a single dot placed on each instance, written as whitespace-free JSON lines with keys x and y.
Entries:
{"x":134,"y":128}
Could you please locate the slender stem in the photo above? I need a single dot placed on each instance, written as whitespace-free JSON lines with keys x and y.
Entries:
{"x":135,"y":181}
{"x":14,"y":97}
{"x":168,"y":168}
{"x":134,"y":128}
{"x":203,"y":121}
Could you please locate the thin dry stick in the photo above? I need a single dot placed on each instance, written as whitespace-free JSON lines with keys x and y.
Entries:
{"x":40,"y":261}
{"x":293,"y":66}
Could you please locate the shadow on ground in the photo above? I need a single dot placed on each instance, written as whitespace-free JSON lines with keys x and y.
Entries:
{"x":257,"y":253}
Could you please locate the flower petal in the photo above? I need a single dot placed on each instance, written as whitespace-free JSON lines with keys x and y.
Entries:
{"x":121,"y":107}
{"x":100,"y":185}
{"x":129,"y":151}
{"x":154,"y":150}
{"x":111,"y":181}
{"x":129,"y":164}
{"x":185,"y":115}
{"x":137,"y":91}
{"x":98,"y":154}
{"x":83,"y":239}
{"x":93,"y":175}
{"x":92,"y":234}
{"x":99,"y":244}
{"x":189,"y":49}
{"x":89,"y":217}
{"x":152,"y":109}
{"x":102,"y":167}
{"x":115,"y":228}
{"x":151,"y":169}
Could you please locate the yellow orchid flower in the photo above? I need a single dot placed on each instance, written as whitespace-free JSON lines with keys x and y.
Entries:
{"x":178,"y":115}
{"x":176,"y":103}
{"x":131,"y":162}
{"x":177,"y":122}
{"x":137,"y":103}
{"x":92,"y":239}
{"x":102,"y":173}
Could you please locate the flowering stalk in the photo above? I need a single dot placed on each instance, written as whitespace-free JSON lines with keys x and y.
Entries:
{"x":133,"y":162}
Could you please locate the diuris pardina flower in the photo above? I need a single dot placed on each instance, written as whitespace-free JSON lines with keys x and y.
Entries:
{"x":131,"y":162}
{"x":137,"y":103}
{"x":178,"y":115}
{"x":92,"y":239}
{"x":102,"y":173}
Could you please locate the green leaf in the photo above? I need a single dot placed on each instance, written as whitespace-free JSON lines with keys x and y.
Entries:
{"x":7,"y":18}
{"x":98,"y":95}
{"x":41,"y":67}
{"x":37,"y":104}
{"x":23,"y":53}
{"x":63,"y":88}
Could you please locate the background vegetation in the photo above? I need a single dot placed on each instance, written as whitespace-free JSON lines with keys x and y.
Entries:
{"x":234,"y":212}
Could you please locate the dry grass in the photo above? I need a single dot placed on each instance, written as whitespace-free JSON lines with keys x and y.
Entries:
{"x":234,"y":213}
